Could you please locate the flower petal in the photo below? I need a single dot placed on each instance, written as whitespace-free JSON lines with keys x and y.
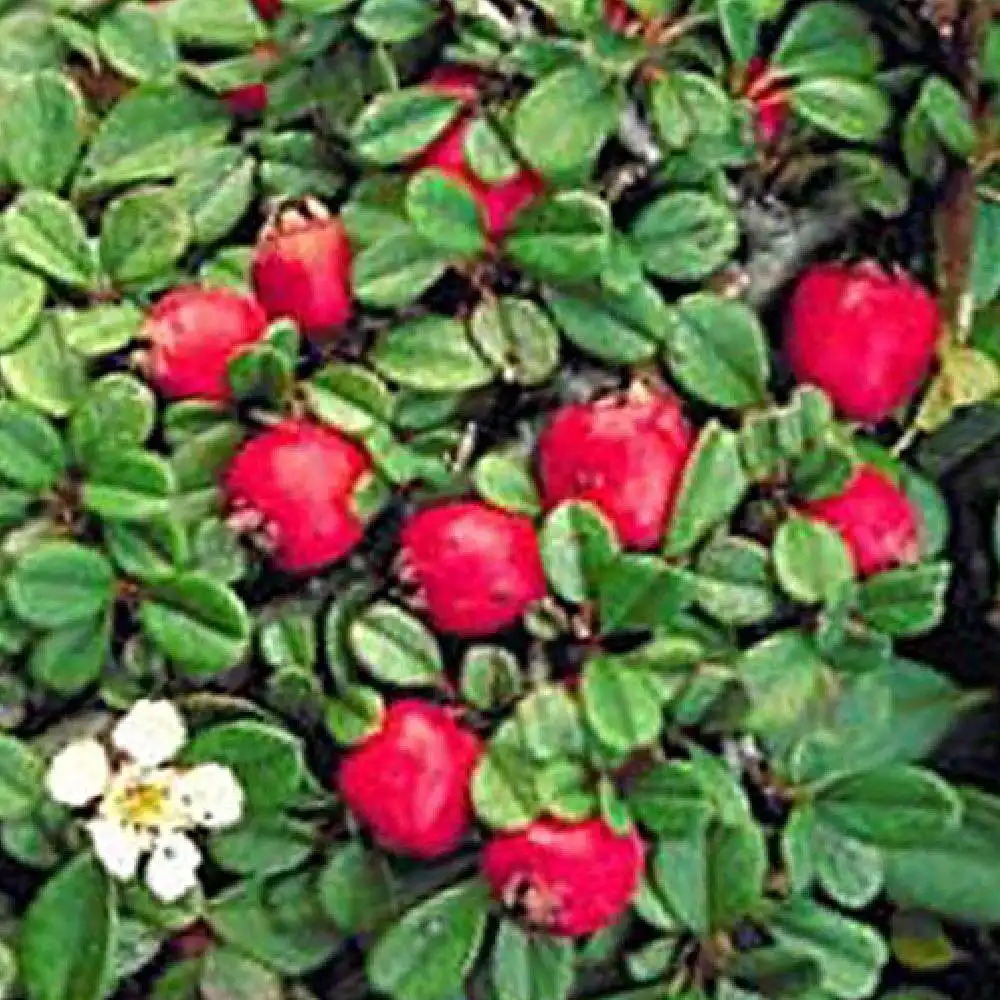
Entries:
{"x":173,"y":867}
{"x":151,"y":733}
{"x":211,"y":796}
{"x":79,"y":773}
{"x":117,"y":846}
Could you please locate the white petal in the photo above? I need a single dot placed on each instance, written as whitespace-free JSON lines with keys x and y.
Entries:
{"x":173,"y":868}
{"x":79,"y":773}
{"x":211,"y":796}
{"x":117,"y":846}
{"x":151,"y":733}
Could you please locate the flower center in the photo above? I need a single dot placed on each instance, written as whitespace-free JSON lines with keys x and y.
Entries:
{"x":144,"y":802}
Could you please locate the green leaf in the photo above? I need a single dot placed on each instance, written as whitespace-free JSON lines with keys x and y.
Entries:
{"x":487,"y":154}
{"x":828,"y":37}
{"x":504,"y":787}
{"x":396,"y":125}
{"x":714,"y":483}
{"x":395,"y":21}
{"x":143,"y":234}
{"x":44,"y":372}
{"x":31,"y":451}
{"x":132,"y":486}
{"x":712,"y":878}
{"x":152,"y":133}
{"x":356,"y":888}
{"x":397,"y":270}
{"x":849,"y":109}
{"x":850,"y":872}
{"x":639,"y":591}
{"x":395,"y":647}
{"x":216,"y":192}
{"x":69,"y":659}
{"x":504,"y":479}
{"x":563,"y":122}
{"x":577,"y":543}
{"x":280,"y":925}
{"x":228,"y":975}
{"x":432,"y":354}
{"x":117,"y":415}
{"x":783,"y":677}
{"x":445,"y":212}
{"x":99,"y":329}
{"x":625,"y":327}
{"x":355,"y":715}
{"x":562,"y":237}
{"x":811,"y":560}
{"x":60,"y":583}
{"x":949,"y":116}
{"x":621,"y":704}
{"x":68,"y":937}
{"x":905,"y":601}
{"x":21,"y":779}
{"x":670,"y":800}
{"x":206,"y":23}
{"x":22,"y":296}
{"x":428,"y":954}
{"x":46,"y":233}
{"x":685,"y":235}
{"x":850,"y":955}
{"x":717,"y":349}
{"x":137,"y":43}
{"x":200,"y":625}
{"x":266,"y":760}
{"x":956,"y":874}
{"x":531,"y":966}
{"x":42,"y":130}
{"x":739,"y":20}
{"x":491,"y":677}
{"x":350,"y":398}
{"x":734,"y":582}
{"x":516,"y":337}
{"x":893,"y":806}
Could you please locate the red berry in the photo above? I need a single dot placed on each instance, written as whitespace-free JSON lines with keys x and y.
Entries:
{"x":409,"y":783}
{"x":477,"y":568}
{"x":568,"y":879}
{"x":618,"y":14}
{"x":876,"y":520}
{"x":302,"y":270}
{"x":269,"y":10}
{"x":864,"y":336}
{"x":297,"y":483}
{"x":194,"y":332}
{"x":769,"y":99}
{"x":248,"y":101}
{"x":625,"y":454}
{"x":500,"y":201}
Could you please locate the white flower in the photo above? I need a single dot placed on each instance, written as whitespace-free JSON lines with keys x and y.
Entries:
{"x":172,"y":870}
{"x":211,"y":795}
{"x":144,"y":806}
{"x":151,"y":733}
{"x":79,"y":773}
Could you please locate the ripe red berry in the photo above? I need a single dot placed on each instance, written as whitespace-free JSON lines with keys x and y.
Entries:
{"x":269,"y":10}
{"x":567,"y":879}
{"x":500,"y":201}
{"x":302,"y":270}
{"x":769,"y":98}
{"x":248,"y":101}
{"x":296,"y":482}
{"x":864,"y":336}
{"x":409,"y":783}
{"x":193,"y":333}
{"x":624,"y":453}
{"x":618,"y":14}
{"x":876,"y":520}
{"x":477,"y":568}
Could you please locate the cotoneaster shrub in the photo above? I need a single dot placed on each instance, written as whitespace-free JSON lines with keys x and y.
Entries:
{"x":457,"y":524}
